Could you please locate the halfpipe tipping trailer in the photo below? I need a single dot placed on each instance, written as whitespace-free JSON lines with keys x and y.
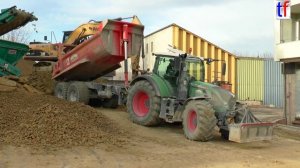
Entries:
{"x":170,"y":93}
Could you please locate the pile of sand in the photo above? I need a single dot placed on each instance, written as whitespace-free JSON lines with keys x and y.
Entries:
{"x":36,"y":77}
{"x":42,"y":81}
{"x":45,"y":121}
{"x":26,"y":67}
{"x":30,"y":117}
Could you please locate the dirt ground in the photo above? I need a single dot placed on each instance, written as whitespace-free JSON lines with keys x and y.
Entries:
{"x":163,"y":146}
{"x":38,"y":130}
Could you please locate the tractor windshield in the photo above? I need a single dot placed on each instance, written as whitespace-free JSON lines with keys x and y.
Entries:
{"x":195,"y":69}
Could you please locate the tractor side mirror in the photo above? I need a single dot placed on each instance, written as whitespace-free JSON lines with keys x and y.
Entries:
{"x":209,"y":61}
{"x":224,"y":69}
{"x":45,"y":38}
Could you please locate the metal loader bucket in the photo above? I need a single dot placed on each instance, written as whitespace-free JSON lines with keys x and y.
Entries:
{"x":250,"y":129}
{"x":249,"y":132}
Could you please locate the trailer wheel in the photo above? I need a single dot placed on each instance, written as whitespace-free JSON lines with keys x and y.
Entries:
{"x":61,"y":90}
{"x":111,"y":103}
{"x":199,"y":120}
{"x":78,"y":92}
{"x":143,"y":104}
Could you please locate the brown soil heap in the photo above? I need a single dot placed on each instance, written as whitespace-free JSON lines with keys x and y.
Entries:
{"x":42,"y":80}
{"x":44,"y":121}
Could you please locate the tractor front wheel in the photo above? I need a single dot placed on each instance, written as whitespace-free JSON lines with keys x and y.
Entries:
{"x":143,"y":104}
{"x":199,"y":120}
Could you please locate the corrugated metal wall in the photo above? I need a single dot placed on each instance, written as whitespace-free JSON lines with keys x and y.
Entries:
{"x":297,"y":90}
{"x":250,"y":79}
{"x":184,"y":40}
{"x":273,"y":83}
{"x":260,"y":80}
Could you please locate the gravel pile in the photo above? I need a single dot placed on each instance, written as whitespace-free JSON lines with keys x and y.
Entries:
{"x":41,"y":80}
{"x":45,"y":121}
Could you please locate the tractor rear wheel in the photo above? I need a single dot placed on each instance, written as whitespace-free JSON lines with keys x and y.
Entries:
{"x":61,"y":90}
{"x":143,"y":104}
{"x":78,"y":92}
{"x":199,"y":120}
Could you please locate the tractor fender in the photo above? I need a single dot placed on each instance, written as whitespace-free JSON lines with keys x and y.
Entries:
{"x":160,"y":86}
{"x":195,"y":98}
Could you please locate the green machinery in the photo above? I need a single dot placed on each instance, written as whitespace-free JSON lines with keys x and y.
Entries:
{"x":174,"y":92}
{"x":12,"y":52}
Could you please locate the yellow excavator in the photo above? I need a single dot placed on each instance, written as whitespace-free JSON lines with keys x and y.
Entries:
{"x":73,"y":38}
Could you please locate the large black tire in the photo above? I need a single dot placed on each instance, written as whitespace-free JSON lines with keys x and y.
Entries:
{"x":111,"y":103}
{"x":61,"y":90}
{"x":237,"y":119}
{"x":199,"y":120}
{"x":78,"y":92}
{"x":143,"y":104}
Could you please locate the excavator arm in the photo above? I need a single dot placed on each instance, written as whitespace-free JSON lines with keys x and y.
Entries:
{"x":82,"y":32}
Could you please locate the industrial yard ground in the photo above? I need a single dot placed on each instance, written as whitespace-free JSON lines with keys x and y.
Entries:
{"x":39,"y":130}
{"x":163,"y":146}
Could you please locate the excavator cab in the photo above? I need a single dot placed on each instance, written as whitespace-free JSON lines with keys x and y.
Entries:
{"x":66,"y":35}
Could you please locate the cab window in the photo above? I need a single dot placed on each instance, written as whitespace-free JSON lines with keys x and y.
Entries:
{"x":196,"y":70}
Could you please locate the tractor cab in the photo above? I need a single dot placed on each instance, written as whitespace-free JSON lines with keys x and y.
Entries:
{"x":168,"y":67}
{"x":179,"y":71}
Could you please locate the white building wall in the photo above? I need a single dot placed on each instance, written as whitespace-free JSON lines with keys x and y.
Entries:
{"x":160,"y":42}
{"x":155,"y":43}
{"x":287,"y":40}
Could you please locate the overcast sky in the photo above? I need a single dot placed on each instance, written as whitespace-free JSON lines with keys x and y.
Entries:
{"x":239,"y":26}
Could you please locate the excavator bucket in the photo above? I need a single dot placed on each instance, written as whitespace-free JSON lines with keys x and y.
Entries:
{"x":250,"y":129}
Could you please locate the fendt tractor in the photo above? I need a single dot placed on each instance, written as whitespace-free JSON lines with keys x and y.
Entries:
{"x":170,"y":93}
{"x":173,"y":93}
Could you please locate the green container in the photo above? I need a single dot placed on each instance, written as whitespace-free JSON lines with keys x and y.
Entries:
{"x":10,"y":54}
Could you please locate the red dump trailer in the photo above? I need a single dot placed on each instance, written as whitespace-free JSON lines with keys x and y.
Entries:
{"x":100,"y":54}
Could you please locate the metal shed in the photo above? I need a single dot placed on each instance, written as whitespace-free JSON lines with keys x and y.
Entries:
{"x":273,"y":83}
{"x":250,"y":79}
{"x":260,"y":80}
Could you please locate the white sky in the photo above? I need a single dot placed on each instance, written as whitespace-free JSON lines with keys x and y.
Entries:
{"x":239,"y":26}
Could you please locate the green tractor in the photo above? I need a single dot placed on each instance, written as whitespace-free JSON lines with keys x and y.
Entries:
{"x":175,"y":93}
